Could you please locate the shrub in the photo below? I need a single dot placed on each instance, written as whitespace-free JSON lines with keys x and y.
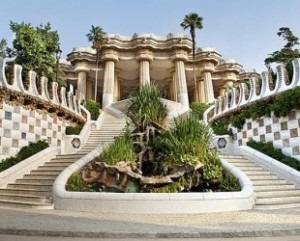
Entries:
{"x":73,"y":130}
{"x":268,"y":149}
{"x":94,"y":108}
{"x":122,"y":149}
{"x":230,"y":183}
{"x":198,"y":109}
{"x":146,"y":106}
{"x":25,"y":152}
{"x":220,"y":126}
{"x":77,"y":184}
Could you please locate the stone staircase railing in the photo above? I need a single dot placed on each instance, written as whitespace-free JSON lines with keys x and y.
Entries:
{"x":61,"y":100}
{"x":237,"y":97}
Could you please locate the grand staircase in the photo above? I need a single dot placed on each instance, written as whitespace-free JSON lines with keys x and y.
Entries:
{"x":34,"y":189}
{"x":271,"y":192}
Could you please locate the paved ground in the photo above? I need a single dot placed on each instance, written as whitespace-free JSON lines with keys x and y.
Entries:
{"x":26,"y":238}
{"x":213,"y":225}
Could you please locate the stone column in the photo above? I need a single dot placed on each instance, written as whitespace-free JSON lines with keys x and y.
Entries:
{"x":90,"y":85}
{"x":145,"y":57}
{"x":182,"y":93}
{"x":117,"y":89}
{"x":209,"y":90}
{"x":81,"y":85}
{"x":82,"y":69}
{"x":110,"y":57}
{"x":201,"y":92}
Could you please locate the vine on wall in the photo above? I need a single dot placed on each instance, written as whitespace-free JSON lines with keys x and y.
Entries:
{"x":280,"y":105}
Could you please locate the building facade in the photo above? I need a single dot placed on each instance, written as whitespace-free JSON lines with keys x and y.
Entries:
{"x":126,"y":63}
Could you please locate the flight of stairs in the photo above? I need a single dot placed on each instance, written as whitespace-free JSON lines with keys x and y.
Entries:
{"x":271,"y":192}
{"x":34,"y":189}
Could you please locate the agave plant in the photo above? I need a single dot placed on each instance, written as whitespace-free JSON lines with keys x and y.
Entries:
{"x":146,"y":107}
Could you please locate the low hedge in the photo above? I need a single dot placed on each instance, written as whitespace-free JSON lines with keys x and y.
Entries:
{"x":268,"y":149}
{"x":73,"y":130}
{"x":25,"y":152}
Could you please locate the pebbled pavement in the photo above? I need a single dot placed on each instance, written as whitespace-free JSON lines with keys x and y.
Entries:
{"x":253,"y":223}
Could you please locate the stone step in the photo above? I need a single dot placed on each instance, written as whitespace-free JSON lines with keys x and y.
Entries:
{"x":45,"y":172}
{"x":264,"y":177}
{"x":257,"y":172}
{"x":26,"y":205}
{"x":32,"y":186}
{"x":45,"y":168}
{"x":63,"y":160}
{"x":268,"y":182}
{"x":65,"y":157}
{"x":278,"y":200}
{"x":34,"y":176}
{"x":43,"y":181}
{"x":20,"y":191}
{"x":277,"y":206}
{"x":58,"y":164}
{"x":246,"y":164}
{"x":281,"y":187}
{"x":24,"y":197}
{"x":224,"y":156}
{"x":252,"y":168}
{"x":284,"y":193}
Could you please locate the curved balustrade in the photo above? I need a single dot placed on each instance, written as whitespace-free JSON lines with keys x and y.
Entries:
{"x":237,"y":97}
{"x":67,"y":101}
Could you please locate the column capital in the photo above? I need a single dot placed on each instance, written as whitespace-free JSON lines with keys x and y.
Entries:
{"x":82,"y":66}
{"x":207,"y":67}
{"x":145,"y":54}
{"x":110,"y":55}
{"x":180,"y":55}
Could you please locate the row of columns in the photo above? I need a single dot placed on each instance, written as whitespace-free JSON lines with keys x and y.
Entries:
{"x":177,"y":86}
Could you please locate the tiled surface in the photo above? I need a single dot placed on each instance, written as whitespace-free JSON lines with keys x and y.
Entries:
{"x":19,"y":126}
{"x":282,"y":132}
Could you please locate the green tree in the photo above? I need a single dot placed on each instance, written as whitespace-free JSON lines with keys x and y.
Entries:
{"x":34,"y":48}
{"x":193,"y":22}
{"x":287,"y":53}
{"x":3,"y":44}
{"x":96,"y":36}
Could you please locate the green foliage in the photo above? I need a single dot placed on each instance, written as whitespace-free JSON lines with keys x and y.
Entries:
{"x":268,"y":149}
{"x":230,"y":183}
{"x":73,"y":130}
{"x":212,"y":166}
{"x":220,"y":126}
{"x":286,"y":101}
{"x":186,"y":143}
{"x":146,"y":106}
{"x":3,"y":44}
{"x":198,"y":109}
{"x":77,"y":184}
{"x":94,"y":108}
{"x":122,"y":149}
{"x":25,"y":152}
{"x":34,"y":48}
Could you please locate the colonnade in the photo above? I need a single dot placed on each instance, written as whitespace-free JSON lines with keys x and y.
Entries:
{"x":178,"y":90}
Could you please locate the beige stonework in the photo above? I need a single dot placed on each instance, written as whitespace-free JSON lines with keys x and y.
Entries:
{"x":128,"y":62}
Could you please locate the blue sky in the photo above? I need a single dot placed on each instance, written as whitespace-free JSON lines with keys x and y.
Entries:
{"x":244,"y":30}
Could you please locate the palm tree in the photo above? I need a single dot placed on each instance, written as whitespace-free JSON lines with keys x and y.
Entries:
{"x":193,"y":22}
{"x":96,"y":36}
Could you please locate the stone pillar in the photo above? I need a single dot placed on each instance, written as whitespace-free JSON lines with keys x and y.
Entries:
{"x":175,"y":93}
{"x":209,"y":90}
{"x":110,"y":57}
{"x":145,"y":57}
{"x":90,"y":85}
{"x":81,"y":68}
{"x":117,"y":89}
{"x":201,"y":92}
{"x":181,"y":85}
{"x":81,"y":85}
